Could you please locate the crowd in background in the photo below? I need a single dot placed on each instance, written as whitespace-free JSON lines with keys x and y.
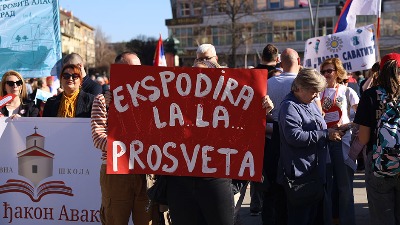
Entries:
{"x":309,"y":135}
{"x":49,"y":86}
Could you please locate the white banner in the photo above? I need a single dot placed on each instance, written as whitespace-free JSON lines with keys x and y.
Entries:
{"x":355,"y":48}
{"x":49,"y":172}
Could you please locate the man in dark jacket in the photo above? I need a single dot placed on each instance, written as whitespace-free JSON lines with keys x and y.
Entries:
{"x":269,"y":58}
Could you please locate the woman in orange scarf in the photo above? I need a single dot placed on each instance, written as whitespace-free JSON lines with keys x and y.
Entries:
{"x":72,"y":102}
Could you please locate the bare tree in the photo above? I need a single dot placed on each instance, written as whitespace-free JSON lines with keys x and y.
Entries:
{"x":105,"y":54}
{"x":145,"y":47}
{"x":236,"y":10}
{"x":240,"y":32}
{"x":120,"y":47}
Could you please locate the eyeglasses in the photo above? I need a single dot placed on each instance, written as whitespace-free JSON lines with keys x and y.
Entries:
{"x":12,"y":83}
{"x":67,"y":76}
{"x":206,"y":58}
{"x":329,"y":71}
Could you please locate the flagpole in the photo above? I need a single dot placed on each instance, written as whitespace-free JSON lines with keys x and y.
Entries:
{"x":312,"y":18}
{"x":378,"y":30}
{"x":316,"y":21}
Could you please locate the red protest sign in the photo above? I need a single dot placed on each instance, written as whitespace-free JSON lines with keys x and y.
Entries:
{"x":6,"y":99}
{"x":186,"y":121}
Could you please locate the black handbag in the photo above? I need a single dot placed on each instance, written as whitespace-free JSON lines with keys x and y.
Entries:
{"x":305,"y":190}
{"x":158,"y":192}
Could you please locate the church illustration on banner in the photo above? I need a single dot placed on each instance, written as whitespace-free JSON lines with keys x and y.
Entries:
{"x":36,"y":164}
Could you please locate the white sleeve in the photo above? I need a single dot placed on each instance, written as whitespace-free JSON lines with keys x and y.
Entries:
{"x":354,"y":99}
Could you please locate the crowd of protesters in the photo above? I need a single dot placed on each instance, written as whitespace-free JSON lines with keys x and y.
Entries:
{"x":29,"y":98}
{"x":309,"y":136}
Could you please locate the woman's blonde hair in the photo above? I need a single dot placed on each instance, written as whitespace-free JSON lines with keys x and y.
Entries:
{"x":23,"y":93}
{"x":340,"y":71}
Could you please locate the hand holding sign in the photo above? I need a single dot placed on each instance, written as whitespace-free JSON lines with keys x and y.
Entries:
{"x":6,"y":99}
{"x":267,"y":104}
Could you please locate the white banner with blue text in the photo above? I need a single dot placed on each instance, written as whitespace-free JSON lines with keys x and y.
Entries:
{"x":355,"y":48}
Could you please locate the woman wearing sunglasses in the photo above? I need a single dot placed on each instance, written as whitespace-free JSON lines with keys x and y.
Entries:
{"x":72,"y":102}
{"x":13,"y":83}
{"x":335,"y":105}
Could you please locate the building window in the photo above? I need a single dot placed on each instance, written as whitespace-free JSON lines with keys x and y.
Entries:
{"x":390,"y":23}
{"x":197,"y":8}
{"x":299,"y":30}
{"x":214,"y":32}
{"x":184,"y":8}
{"x":274,"y":4}
{"x":203,"y":35}
{"x":325,"y":26}
{"x":260,"y":30}
{"x":222,"y":5}
{"x":269,"y":37}
{"x":208,"y":8}
{"x":34,"y":169}
{"x":286,"y":30}
{"x":305,"y":30}
{"x":219,"y":36}
{"x":288,"y":4}
{"x":260,"y":5}
{"x":184,"y":35}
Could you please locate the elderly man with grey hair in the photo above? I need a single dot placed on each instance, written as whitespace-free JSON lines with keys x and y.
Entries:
{"x":206,"y":52}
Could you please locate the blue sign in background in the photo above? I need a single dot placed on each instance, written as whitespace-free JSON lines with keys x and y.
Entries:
{"x":30,"y":41}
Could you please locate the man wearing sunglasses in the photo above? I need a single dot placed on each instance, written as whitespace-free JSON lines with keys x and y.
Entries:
{"x":88,"y":85}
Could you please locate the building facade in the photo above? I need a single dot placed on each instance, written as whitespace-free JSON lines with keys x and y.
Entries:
{"x":78,"y":37}
{"x":284,"y":23}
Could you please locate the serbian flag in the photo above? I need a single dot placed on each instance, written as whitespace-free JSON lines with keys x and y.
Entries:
{"x":159,"y":56}
{"x":352,"y":8}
